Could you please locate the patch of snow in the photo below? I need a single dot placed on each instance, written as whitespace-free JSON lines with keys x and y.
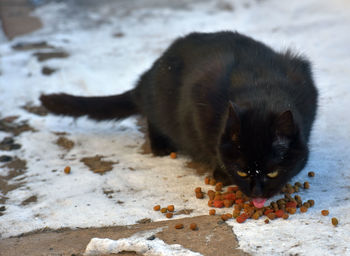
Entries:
{"x":138,"y":243}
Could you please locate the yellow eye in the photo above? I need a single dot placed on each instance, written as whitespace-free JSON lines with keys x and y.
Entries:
{"x":272,"y":174}
{"x":242,"y":174}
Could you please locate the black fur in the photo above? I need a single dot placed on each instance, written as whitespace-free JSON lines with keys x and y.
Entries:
{"x":224,"y":99}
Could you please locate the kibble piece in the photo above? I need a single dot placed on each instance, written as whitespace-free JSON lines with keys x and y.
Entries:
{"x":200,"y":195}
{"x":325,"y":212}
{"x":334,"y":221}
{"x":169,"y":215}
{"x":229,"y":215}
{"x":171,"y":208}
{"x":211,"y":194}
{"x":311,"y":174}
{"x":173,"y":155}
{"x":241,"y":219}
{"x":212,"y":181}
{"x":218,"y":186}
{"x":311,"y":202}
{"x":303,"y":209}
{"x":236,"y":213}
{"x":298,"y":184}
{"x":279,"y":213}
{"x":207,"y":180}
{"x":210,"y":203}
{"x":239,"y":194}
{"x":285,"y":216}
{"x":179,"y":226}
{"x":67,"y":170}
{"x":271,"y":216}
{"x":256,"y":216}
{"x":306,"y":204}
{"x":267,"y":221}
{"x":291,"y":210}
{"x":193,"y":226}
{"x":224,"y":217}
{"x":306,"y":185}
{"x":228,"y":203}
{"x":212,"y":212}
{"x":198,"y":190}
{"x":163,"y":210}
{"x":218,"y":203}
{"x":290,"y":190}
{"x":157,"y":207}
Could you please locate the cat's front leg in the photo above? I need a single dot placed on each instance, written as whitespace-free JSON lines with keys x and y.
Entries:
{"x":160,"y":144}
{"x":220,"y":175}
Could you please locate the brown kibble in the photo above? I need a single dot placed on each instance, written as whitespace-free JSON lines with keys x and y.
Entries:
{"x":297,"y":184}
{"x":271,"y":216}
{"x":306,"y":185}
{"x":67,"y":170}
{"x":212,"y":181}
{"x":285,"y":216}
{"x":229,"y":215}
{"x":290,"y":190}
{"x":212,"y":212}
{"x":198,"y":190}
{"x":325,"y":212}
{"x":236,"y":213}
{"x":210,"y":203}
{"x":311,"y":174}
{"x":211,"y":194}
{"x":256,"y":216}
{"x":228,"y":203}
{"x":306,"y":204}
{"x":173,"y":155}
{"x":291,"y":210}
{"x":303,"y":209}
{"x":296,"y":189}
{"x":224,"y":217}
{"x":297,"y":198}
{"x":267,"y":221}
{"x":239,"y":194}
{"x":169,"y":215}
{"x":275,"y":206}
{"x":218,"y":186}
{"x":163,"y":210}
{"x":311,"y":202}
{"x":335,"y":221}
{"x":170,"y":208}
{"x":179,"y":226}
{"x":207,"y":180}
{"x":157,"y":207}
{"x":193,"y":226}
{"x":200,"y":195}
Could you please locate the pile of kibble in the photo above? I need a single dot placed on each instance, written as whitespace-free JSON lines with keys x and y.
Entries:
{"x":243,"y":207}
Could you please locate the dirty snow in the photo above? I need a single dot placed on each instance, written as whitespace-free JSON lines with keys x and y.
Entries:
{"x":139,"y":243}
{"x":102,"y":64}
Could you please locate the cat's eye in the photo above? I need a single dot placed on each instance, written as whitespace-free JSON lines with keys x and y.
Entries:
{"x":272,"y":174}
{"x":242,"y":174}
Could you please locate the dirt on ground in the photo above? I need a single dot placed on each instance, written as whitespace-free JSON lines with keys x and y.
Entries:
{"x":212,"y":238}
{"x":97,"y":165}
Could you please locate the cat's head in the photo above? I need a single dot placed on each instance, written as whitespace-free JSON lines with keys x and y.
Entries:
{"x":261,"y":150}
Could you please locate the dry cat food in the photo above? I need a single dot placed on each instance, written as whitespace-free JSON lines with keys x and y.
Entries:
{"x":334,"y":221}
{"x":169,"y":215}
{"x":244,"y":208}
{"x":193,"y":226}
{"x":325,"y":212}
{"x":179,"y":226}
{"x":156,"y":208}
{"x":311,"y":174}
{"x":173,"y":155}
{"x":170,"y":208}
{"x":67,"y":170}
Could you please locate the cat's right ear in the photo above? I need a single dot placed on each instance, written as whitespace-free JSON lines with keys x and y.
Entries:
{"x":233,"y":124}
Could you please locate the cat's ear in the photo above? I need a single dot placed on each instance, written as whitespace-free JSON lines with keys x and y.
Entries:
{"x":284,"y":124}
{"x":284,"y":129}
{"x":233,"y":124}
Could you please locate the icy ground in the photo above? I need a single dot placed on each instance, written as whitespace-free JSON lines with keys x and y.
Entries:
{"x":109,"y":47}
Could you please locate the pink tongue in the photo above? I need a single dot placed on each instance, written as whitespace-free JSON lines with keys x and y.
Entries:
{"x":259,"y":202}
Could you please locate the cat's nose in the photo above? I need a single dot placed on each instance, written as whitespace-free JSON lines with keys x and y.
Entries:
{"x":257,"y":191}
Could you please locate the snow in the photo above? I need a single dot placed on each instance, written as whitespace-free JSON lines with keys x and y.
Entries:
{"x":139,"y":243}
{"x":101,"y":64}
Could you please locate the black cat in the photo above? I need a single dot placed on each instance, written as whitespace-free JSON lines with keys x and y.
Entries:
{"x":224,"y":99}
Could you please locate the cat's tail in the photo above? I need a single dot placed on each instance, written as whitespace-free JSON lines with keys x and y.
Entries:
{"x":98,"y":108}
